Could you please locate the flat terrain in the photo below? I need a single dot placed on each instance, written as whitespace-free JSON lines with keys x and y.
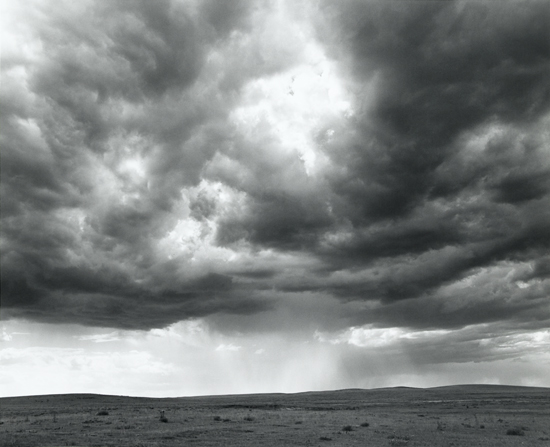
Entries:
{"x":468,"y":415}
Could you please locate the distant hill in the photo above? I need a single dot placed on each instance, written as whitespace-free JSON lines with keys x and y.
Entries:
{"x":398,"y":392}
{"x":482,"y":388}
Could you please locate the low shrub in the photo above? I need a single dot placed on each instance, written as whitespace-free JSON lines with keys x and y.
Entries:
{"x":162,"y":417}
{"x":515,"y":432}
{"x":347,"y":428}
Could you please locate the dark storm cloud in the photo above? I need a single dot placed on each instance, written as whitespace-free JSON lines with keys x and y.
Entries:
{"x":280,"y":221}
{"x":120,"y":156}
{"x":441,"y":68}
{"x":287,"y":210}
{"x":472,"y":305}
{"x":446,"y":170}
{"x":111,"y":82}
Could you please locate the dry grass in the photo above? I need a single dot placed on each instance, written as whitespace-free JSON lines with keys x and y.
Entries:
{"x":334,"y":418}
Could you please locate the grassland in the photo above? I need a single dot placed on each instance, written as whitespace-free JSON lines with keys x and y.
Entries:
{"x":469,"y":415}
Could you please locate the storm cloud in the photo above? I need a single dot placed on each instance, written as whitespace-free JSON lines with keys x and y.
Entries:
{"x":163,"y":161}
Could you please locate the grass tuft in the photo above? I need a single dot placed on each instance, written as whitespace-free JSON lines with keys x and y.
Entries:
{"x":102,"y":413}
{"x":515,"y":432}
{"x":399,"y":441}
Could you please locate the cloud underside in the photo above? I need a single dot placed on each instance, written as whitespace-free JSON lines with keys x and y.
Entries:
{"x":182,"y":160}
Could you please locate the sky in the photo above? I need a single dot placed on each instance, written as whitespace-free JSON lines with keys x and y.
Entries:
{"x":206,"y":197}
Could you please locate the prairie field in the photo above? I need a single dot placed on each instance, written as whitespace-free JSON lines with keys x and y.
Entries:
{"x":466,"y":415}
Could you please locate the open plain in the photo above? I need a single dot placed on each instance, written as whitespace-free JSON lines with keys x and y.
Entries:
{"x":467,"y":415}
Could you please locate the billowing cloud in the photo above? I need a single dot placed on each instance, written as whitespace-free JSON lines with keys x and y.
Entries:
{"x":351,"y":164}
